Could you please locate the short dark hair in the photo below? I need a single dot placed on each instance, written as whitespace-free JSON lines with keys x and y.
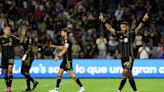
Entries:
{"x":66,"y":30}
{"x":6,"y":25}
{"x":125,"y":23}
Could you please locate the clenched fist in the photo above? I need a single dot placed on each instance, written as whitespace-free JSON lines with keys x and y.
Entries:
{"x":146,"y":17}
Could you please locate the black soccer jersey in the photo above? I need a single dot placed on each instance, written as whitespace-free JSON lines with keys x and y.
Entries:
{"x":8,"y":44}
{"x":125,"y":43}
{"x":68,"y":55}
{"x":27,"y":44}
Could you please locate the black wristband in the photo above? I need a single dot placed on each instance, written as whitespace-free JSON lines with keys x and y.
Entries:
{"x":58,"y":56}
{"x":143,"y":22}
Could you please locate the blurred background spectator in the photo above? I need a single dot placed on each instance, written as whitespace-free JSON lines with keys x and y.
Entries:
{"x":144,"y":52}
{"x":101,"y":45}
{"x":45,"y":18}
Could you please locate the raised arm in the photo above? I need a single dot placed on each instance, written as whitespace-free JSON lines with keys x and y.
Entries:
{"x":140,"y":26}
{"x":106,"y":24}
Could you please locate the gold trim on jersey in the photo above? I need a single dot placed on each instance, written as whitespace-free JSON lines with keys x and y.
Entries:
{"x":7,"y":44}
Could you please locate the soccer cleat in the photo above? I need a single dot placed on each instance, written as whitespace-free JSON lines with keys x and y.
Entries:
{"x":82,"y":89}
{"x":27,"y":90}
{"x":35,"y":84}
{"x":8,"y":90}
{"x":54,"y":90}
{"x":118,"y":90}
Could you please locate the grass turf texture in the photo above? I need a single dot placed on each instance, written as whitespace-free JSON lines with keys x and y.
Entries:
{"x":91,"y":85}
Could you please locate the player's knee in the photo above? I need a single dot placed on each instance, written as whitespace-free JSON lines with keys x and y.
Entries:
{"x":75,"y":78}
{"x":59,"y":74}
{"x":59,"y":77}
{"x":22,"y":72}
{"x":130,"y":75}
{"x":10,"y":72}
{"x":71,"y":73}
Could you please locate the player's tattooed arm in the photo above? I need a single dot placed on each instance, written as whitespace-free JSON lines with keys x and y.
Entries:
{"x":64,"y":50}
{"x":55,"y":46}
{"x":140,"y":26}
{"x":106,"y":24}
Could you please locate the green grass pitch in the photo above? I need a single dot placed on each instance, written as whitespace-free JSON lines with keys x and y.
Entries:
{"x":91,"y":85}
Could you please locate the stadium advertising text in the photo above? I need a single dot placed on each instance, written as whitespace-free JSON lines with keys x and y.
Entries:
{"x":97,"y":68}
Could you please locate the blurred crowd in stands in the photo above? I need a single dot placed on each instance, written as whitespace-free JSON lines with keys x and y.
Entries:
{"x":45,"y":18}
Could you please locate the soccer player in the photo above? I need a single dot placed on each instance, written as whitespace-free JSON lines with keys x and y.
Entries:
{"x":8,"y":42}
{"x":66,"y":64}
{"x":27,"y":59}
{"x":125,"y":37}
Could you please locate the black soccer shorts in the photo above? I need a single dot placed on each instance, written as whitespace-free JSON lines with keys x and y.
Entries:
{"x":127,"y":62}
{"x":66,"y":65}
{"x":6,"y":62}
{"x":26,"y":65}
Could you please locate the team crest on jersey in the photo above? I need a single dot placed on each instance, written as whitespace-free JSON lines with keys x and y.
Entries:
{"x":3,"y":41}
{"x":10,"y":43}
{"x":125,"y":40}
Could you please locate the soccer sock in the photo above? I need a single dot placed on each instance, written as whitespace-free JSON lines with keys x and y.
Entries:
{"x":58,"y":82}
{"x":6,"y":80}
{"x":78,"y":81}
{"x":10,"y":80}
{"x":132,"y":83}
{"x":122,"y":84}
{"x":29,"y":78}
{"x":28,"y":83}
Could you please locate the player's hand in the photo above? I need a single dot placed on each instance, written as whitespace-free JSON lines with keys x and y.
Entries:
{"x":146,"y":17}
{"x":101,"y":17}
{"x":56,"y":58}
